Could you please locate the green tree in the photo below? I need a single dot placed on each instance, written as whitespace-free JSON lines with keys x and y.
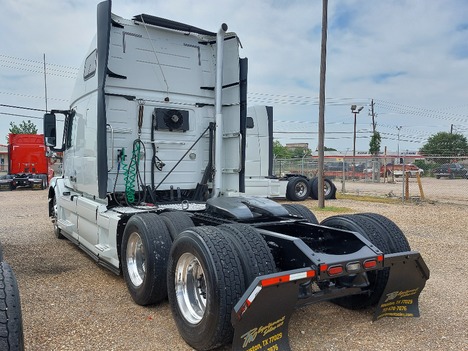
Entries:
{"x":374,"y":145}
{"x":23,"y":128}
{"x":299,"y":152}
{"x":280,"y":151}
{"x":445,"y":144}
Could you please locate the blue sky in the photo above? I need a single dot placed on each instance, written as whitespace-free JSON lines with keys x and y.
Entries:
{"x":410,"y":56}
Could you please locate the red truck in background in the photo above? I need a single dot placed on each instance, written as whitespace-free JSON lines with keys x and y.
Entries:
{"x":28,"y":165}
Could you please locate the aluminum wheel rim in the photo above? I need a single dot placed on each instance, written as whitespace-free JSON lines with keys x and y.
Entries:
{"x":55,"y":215}
{"x":136,"y":259}
{"x":326,"y":188}
{"x":301,"y":189}
{"x":190,"y":288}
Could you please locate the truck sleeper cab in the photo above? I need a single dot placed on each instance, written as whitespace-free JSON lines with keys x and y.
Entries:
{"x":152,"y":188}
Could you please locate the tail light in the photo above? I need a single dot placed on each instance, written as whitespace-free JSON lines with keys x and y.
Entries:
{"x":331,"y":270}
{"x":369,"y":264}
{"x":372,"y":263}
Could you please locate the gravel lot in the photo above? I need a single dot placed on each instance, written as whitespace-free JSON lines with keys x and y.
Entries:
{"x":443,"y":190}
{"x":71,"y":303}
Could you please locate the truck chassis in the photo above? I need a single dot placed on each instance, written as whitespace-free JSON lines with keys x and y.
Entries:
{"x":224,"y":263}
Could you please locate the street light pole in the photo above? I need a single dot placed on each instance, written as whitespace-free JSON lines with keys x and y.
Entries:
{"x":398,"y":145}
{"x":355,"y":110}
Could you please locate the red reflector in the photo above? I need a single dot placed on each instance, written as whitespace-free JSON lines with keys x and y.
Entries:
{"x":370,"y":264}
{"x":287,"y":278}
{"x":380,"y":258}
{"x":323,"y":267}
{"x":274,"y":281}
{"x":334,"y":270}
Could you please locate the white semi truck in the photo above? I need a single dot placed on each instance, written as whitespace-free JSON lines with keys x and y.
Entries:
{"x":259,"y":176}
{"x":153,"y":188}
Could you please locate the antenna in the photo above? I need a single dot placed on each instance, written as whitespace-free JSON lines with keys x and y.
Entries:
{"x":45,"y":84}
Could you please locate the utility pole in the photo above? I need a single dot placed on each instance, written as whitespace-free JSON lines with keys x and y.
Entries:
{"x":321,"y":124}
{"x":355,"y":110}
{"x":45,"y":84}
{"x":373,"y":116}
{"x":398,"y":145}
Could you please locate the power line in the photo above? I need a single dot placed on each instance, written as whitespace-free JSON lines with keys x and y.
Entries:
{"x":35,"y":66}
{"x":38,"y":71}
{"x":421,"y":112}
{"x":18,"y":115}
{"x":30,"y":96}
{"x":39,"y":62}
{"x":328,"y":132}
{"x":23,"y":108}
{"x":263,"y":98}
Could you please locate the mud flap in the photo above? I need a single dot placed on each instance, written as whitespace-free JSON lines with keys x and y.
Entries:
{"x":407,"y":278}
{"x":261,"y":317}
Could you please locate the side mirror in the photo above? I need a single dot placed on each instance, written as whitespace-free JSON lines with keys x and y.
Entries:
{"x":249,"y":123}
{"x":50,"y":130}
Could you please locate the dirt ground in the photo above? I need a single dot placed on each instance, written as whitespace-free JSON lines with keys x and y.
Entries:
{"x":71,"y":303}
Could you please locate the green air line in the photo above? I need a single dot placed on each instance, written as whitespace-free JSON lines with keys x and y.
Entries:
{"x":131,"y":173}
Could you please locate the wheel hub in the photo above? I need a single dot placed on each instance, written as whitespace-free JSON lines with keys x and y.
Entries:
{"x":300,"y":189}
{"x":191,"y":289}
{"x":136,"y":259}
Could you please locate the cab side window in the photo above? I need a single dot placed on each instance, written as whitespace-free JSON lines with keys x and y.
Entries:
{"x":90,"y":66}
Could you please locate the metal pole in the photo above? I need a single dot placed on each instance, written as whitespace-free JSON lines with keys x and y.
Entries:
{"x":354,"y":145}
{"x":218,"y":108}
{"x":398,"y":146}
{"x":321,"y":126}
{"x":343,"y":186}
{"x":45,"y":84}
{"x":403,"y":180}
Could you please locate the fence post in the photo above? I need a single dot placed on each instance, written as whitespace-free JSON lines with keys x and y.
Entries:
{"x":407,"y":185}
{"x":343,"y":186}
{"x":421,"y":192}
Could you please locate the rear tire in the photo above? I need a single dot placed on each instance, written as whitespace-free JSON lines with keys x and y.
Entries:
{"x":397,"y":241}
{"x":44,"y":184}
{"x":254,"y":254}
{"x":377,"y":279}
{"x":297,"y":189}
{"x":57,"y":230}
{"x":329,"y":189}
{"x":205,"y":280}
{"x":145,"y":250}
{"x":176,"y":222}
{"x":11,"y":321}
{"x":301,"y":211}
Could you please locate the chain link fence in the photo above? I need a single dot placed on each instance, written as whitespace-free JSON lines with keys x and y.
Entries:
{"x":434,"y":178}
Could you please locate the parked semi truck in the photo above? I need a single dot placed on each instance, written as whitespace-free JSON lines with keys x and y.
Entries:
{"x":260,"y":179}
{"x":153,"y":187}
{"x":28,"y":165}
